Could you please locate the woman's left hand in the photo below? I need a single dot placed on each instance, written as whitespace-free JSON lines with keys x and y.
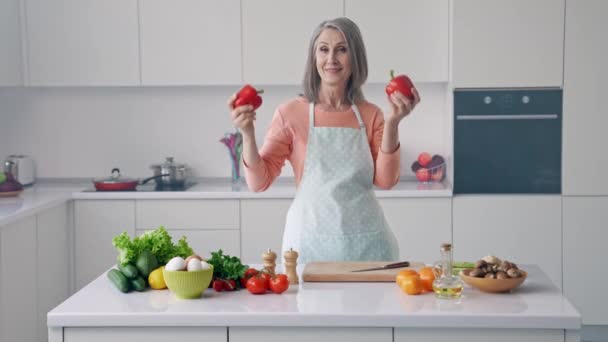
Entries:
{"x":401,"y":106}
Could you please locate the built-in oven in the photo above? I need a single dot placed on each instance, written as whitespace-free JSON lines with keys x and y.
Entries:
{"x":507,"y":141}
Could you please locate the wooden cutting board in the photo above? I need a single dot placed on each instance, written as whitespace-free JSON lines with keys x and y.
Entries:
{"x":341,"y":271}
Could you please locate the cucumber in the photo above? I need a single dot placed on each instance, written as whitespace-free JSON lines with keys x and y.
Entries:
{"x":128,"y":270}
{"x":119,"y":280}
{"x":138,"y":284}
{"x":463,"y":264}
{"x":146,"y":262}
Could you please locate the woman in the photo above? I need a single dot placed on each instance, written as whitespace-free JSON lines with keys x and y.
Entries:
{"x":339,"y":145}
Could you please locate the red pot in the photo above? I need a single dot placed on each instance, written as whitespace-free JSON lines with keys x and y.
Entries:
{"x":118,"y":183}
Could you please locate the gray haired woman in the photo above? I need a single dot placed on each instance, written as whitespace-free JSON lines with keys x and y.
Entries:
{"x":339,"y":146}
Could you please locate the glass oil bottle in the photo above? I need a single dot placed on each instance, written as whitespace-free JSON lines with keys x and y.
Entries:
{"x":447,"y":285}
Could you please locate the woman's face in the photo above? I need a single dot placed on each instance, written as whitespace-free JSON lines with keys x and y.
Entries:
{"x":333,"y":62}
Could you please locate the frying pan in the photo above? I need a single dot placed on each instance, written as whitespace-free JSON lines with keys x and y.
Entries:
{"x":116,"y":182}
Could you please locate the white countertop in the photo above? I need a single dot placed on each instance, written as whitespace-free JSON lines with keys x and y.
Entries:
{"x":536,"y":304}
{"x":47,"y":193}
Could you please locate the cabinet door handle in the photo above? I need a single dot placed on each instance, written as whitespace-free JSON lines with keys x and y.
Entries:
{"x":508,"y":117}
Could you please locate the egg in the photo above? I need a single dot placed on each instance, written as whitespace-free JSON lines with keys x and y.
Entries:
{"x":205,"y":265}
{"x":194,"y":265}
{"x":193,"y":256}
{"x":176,"y":264}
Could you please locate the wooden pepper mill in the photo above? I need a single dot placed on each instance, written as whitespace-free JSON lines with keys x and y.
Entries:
{"x":269,"y":258}
{"x":291,"y":258}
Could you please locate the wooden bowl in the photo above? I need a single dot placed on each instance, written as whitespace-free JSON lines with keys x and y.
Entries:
{"x":492,"y":285}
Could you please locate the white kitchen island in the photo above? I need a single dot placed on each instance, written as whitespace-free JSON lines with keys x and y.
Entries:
{"x":380,"y":312}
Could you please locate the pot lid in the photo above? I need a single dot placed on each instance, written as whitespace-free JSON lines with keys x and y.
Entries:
{"x":169,"y":163}
{"x":115,"y":178}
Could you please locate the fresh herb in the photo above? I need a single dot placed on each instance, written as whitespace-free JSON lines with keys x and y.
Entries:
{"x":156,"y":241}
{"x":226,"y":266}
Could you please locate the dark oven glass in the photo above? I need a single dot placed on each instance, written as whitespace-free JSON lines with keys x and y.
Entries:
{"x":507,"y":141}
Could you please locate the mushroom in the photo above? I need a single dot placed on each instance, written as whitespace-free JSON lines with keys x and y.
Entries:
{"x":480,"y":263}
{"x":477,"y":272}
{"x":501,"y":275}
{"x":490,"y":259}
{"x":513,"y":273}
{"x":490,"y":275}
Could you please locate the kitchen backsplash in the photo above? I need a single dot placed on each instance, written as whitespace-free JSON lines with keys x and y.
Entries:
{"x":85,"y":132}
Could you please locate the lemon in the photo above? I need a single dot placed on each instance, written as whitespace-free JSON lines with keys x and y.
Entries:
{"x":156,"y":279}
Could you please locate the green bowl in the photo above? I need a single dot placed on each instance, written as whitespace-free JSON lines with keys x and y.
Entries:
{"x":188,"y":284}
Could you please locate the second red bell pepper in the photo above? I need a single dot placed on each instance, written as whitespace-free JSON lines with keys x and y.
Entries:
{"x":401,"y":83}
{"x":248,"y":95}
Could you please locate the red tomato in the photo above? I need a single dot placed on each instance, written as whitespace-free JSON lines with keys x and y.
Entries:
{"x":266,"y":276}
{"x":218,"y":285}
{"x":256,"y":285}
{"x":279,"y":283}
{"x":248,"y":274}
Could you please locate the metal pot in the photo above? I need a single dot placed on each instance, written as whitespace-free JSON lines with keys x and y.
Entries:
{"x":118,"y":183}
{"x":170,"y":174}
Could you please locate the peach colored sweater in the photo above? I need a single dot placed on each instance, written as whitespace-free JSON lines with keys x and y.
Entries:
{"x":287,"y":136}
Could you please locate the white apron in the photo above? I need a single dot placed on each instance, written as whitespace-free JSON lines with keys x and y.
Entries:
{"x":335,"y":215}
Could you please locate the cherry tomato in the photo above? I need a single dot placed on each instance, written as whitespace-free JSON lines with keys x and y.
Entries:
{"x":230,"y":285}
{"x":218,"y":285}
{"x":279,"y":283}
{"x":248,"y":274}
{"x":256,"y":285}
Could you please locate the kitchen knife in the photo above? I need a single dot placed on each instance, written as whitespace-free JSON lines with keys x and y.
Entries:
{"x":386,"y":267}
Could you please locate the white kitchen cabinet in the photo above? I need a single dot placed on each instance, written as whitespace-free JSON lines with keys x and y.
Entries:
{"x":203,"y":242}
{"x":420,"y":225}
{"x":516,"y":43}
{"x":53,"y":262}
{"x":190,"y":42}
{"x":148,"y":334}
{"x":96,"y":222}
{"x":276,"y":35}
{"x":262,"y":226}
{"x":585,"y":237}
{"x":306,"y":334}
{"x":525,"y":229}
{"x":11,"y":65}
{"x":82,"y":42}
{"x":18,"y":293}
{"x":585,"y":88}
{"x":478,"y":335}
{"x":213,"y":214}
{"x":409,"y":36}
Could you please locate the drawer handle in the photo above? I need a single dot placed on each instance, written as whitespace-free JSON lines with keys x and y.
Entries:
{"x":508,"y":117}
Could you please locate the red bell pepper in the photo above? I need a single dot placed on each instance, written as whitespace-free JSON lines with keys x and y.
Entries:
{"x":401,"y":83}
{"x":248,"y":95}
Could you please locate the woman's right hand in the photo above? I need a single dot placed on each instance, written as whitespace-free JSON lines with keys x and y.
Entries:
{"x":242,"y":116}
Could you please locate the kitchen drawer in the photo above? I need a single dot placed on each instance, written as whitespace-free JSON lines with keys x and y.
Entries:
{"x":148,"y":334}
{"x":187,"y":214}
{"x":307,"y":334}
{"x":478,"y":335}
{"x":203,"y":242}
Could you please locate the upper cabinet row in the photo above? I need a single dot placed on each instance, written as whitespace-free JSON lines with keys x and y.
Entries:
{"x":215,"y":42}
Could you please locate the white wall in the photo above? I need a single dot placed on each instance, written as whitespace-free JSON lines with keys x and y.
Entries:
{"x":84,"y":132}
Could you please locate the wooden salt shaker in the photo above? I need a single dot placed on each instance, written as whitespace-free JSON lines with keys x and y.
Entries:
{"x":269,"y":258}
{"x":291,"y":257}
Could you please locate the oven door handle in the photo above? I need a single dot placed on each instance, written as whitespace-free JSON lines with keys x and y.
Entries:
{"x":508,"y":117}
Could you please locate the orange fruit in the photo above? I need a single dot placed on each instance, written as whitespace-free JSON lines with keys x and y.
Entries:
{"x":411,"y":285}
{"x":427,"y":276}
{"x":408,"y":272}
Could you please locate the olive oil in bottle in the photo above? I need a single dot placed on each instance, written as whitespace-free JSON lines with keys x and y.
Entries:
{"x":447,"y":285}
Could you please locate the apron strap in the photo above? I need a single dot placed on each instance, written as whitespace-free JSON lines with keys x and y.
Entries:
{"x":356,"y":110}
{"x":311,"y":115}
